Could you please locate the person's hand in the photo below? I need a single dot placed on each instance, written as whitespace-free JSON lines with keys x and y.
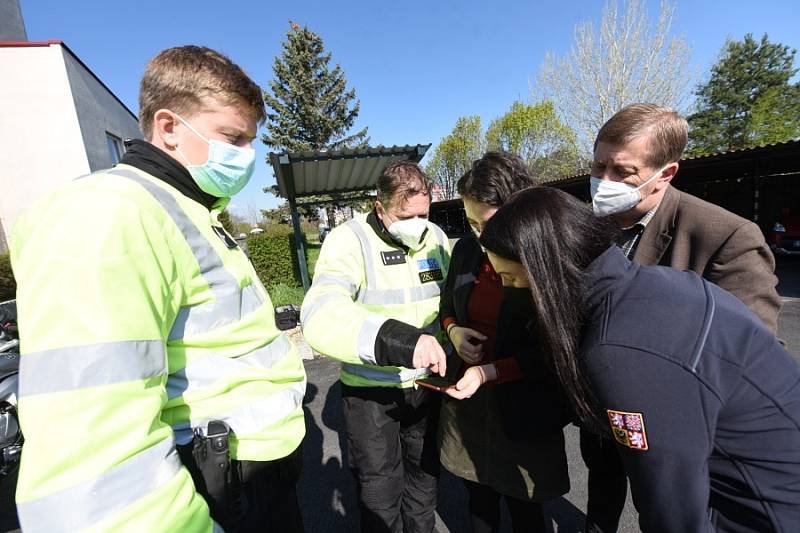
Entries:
{"x":474,"y":377}
{"x":428,"y":353}
{"x":467,"y":343}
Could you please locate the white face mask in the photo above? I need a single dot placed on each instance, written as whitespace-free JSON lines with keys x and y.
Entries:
{"x":409,"y":231}
{"x":611,"y":197}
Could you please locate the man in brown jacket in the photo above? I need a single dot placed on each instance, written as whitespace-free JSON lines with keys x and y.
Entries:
{"x":636,"y":155}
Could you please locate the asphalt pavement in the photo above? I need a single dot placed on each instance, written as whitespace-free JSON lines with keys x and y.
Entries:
{"x":327,"y":490}
{"x":788,"y":271}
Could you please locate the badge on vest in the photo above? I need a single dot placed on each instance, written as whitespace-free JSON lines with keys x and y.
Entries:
{"x":224,"y":237}
{"x":429,"y":270}
{"x":397,"y":257}
{"x":628,"y":429}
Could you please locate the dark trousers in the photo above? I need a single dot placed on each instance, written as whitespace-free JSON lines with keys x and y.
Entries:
{"x":259,"y":497}
{"x":391,"y":449}
{"x":8,"y":507}
{"x":608,"y":485}
{"x":484,"y":511}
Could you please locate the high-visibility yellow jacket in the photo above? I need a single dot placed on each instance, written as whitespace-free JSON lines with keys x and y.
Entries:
{"x":138,"y":324}
{"x":372,"y":298}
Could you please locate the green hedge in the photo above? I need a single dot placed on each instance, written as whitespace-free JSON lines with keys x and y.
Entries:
{"x":274,"y":257}
{"x":8,"y":287}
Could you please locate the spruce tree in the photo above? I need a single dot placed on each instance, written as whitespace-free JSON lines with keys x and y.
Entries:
{"x":748,"y":99}
{"x":309,"y":106}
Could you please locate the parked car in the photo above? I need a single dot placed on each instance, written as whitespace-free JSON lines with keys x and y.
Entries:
{"x":784,"y":239}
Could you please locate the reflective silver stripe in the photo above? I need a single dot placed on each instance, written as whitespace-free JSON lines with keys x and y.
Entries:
{"x":387,"y":376}
{"x":223,"y":310}
{"x":309,"y":309}
{"x":366,"y":337}
{"x":80,"y":367}
{"x":383,"y":296}
{"x":253,"y":415}
{"x":230,"y":301}
{"x":425,"y":292}
{"x":323,"y":280}
{"x":208,"y":369}
{"x":83,"y":505}
{"x":366,"y":251}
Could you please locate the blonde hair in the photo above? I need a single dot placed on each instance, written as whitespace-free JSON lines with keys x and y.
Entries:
{"x":666,"y":131}
{"x":180,"y":79}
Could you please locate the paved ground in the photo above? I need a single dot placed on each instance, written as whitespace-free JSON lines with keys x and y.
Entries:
{"x":788,"y":271}
{"x":327,"y":492}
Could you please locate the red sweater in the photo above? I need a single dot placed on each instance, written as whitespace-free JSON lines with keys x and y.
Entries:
{"x":483,"y":309}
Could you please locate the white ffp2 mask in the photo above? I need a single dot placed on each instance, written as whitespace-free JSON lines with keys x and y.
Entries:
{"x":611,"y":197}
{"x":408,"y":231}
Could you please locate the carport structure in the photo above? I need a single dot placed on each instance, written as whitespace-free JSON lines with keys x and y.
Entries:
{"x":301,"y":175}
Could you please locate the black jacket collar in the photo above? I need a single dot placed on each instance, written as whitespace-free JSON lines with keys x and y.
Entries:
{"x":146,"y":157}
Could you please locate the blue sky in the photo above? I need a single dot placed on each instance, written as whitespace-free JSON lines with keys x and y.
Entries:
{"x":416,"y":66}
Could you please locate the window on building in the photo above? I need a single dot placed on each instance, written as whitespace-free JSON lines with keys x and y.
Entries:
{"x":115,"y":148}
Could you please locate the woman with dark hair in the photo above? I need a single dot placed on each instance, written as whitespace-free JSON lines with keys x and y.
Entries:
{"x":484,"y":440}
{"x":701,"y":398}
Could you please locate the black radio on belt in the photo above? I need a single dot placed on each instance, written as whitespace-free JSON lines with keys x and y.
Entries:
{"x":395,"y":257}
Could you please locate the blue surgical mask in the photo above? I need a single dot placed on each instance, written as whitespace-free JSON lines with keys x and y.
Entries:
{"x":227,"y":169}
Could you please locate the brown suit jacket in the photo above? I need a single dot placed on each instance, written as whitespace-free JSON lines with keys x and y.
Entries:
{"x":691,"y":234}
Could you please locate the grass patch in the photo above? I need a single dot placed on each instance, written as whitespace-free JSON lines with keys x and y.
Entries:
{"x":283,"y":294}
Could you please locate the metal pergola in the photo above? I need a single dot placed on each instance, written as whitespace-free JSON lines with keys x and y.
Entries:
{"x":351,"y":170}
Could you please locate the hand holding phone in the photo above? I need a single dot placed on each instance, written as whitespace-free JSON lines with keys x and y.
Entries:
{"x":436,"y":383}
{"x":473,"y":378}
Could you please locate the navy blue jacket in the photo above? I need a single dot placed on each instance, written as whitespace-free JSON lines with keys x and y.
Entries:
{"x":701,"y":398}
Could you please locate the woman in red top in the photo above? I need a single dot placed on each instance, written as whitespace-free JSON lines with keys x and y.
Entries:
{"x":498,"y":450}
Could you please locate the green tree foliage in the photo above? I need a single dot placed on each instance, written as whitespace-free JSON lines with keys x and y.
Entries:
{"x":309,"y":106}
{"x":278,"y":215}
{"x":748,"y":99}
{"x":233,"y":224}
{"x":8,"y":285}
{"x":454,"y":155}
{"x":534,"y":132}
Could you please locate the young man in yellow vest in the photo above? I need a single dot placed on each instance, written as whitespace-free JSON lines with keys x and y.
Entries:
{"x":148,"y":341}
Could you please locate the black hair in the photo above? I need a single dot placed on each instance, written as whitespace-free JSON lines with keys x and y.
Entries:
{"x":493,"y":178}
{"x":555,"y":237}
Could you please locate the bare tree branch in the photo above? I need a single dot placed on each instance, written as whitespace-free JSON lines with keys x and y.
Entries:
{"x":624,"y":59}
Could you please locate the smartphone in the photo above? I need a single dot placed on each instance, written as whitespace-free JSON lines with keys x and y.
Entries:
{"x":436,"y":383}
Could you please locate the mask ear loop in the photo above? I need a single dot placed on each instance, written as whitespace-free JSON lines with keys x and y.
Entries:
{"x":191,"y":128}
{"x":185,"y":123}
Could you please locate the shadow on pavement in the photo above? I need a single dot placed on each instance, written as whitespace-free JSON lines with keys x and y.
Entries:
{"x":326,"y":490}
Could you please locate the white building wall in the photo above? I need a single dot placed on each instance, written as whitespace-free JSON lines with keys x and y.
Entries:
{"x":41,"y":145}
{"x":98,"y":112}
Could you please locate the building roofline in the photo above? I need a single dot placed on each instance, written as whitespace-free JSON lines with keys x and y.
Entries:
{"x":23,"y":44}
{"x":32,"y":44}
